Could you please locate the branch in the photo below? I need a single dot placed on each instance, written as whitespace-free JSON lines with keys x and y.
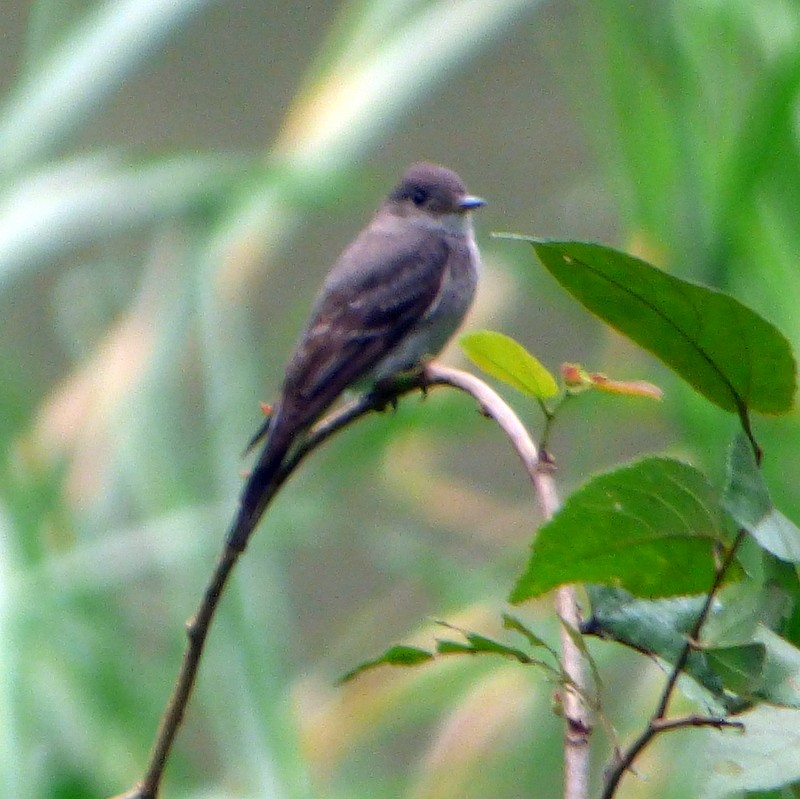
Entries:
{"x":658,"y":723}
{"x":694,"y":633}
{"x":491,"y":405}
{"x":576,"y":712}
{"x":654,"y":727}
{"x":198,"y":626}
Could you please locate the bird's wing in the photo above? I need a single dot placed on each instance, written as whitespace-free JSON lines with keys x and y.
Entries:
{"x":376,"y":293}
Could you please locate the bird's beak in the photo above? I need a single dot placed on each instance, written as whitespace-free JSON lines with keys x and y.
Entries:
{"x":469,"y":202}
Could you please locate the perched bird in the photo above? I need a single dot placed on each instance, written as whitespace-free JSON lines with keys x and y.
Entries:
{"x":392,"y":300}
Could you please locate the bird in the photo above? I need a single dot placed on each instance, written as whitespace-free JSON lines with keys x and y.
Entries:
{"x":392,"y":300}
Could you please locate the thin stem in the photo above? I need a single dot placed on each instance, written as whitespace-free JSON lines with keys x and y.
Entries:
{"x":196,"y":632}
{"x":576,"y":712}
{"x":694,"y":633}
{"x":198,"y":626}
{"x":491,"y":405}
{"x":653,"y":728}
{"x":658,"y":723}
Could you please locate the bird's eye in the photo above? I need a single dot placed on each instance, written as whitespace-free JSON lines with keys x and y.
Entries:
{"x":418,"y":196}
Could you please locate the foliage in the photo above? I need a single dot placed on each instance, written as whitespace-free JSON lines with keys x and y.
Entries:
{"x":132,"y":367}
{"x":657,"y":528}
{"x":503,"y":358}
{"x":130,"y":380}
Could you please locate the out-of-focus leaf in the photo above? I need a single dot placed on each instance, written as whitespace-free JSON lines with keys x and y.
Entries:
{"x":739,"y":667}
{"x":784,"y":792}
{"x":747,"y":499}
{"x":743,"y":607}
{"x":650,"y":528}
{"x":507,"y":360}
{"x":628,"y":388}
{"x":513,"y":623}
{"x":378,"y":78}
{"x":90,"y":199}
{"x":399,"y":655}
{"x":730,"y":354}
{"x":477,"y":644}
{"x":760,"y":666}
{"x":761,"y":757}
{"x":654,"y":627}
{"x":781,"y":678}
{"x":445,"y":646}
{"x":97,"y":56}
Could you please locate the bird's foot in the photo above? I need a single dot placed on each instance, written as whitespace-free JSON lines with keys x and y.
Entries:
{"x":386,"y":392}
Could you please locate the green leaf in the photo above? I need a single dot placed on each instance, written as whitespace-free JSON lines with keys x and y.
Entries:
{"x":650,"y":528}
{"x":759,"y":665}
{"x":781,"y":678}
{"x":447,"y":647}
{"x":658,"y":627}
{"x":730,"y":354}
{"x":744,"y":607}
{"x":784,"y":792}
{"x":500,"y":356}
{"x":93,"y":58}
{"x":513,"y":623}
{"x":83,"y":201}
{"x":398,"y":655}
{"x":747,"y":499}
{"x":762,"y":756}
{"x":740,"y":667}
{"x":478,"y":644}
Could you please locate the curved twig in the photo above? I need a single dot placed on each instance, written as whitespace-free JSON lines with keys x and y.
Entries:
{"x":198,"y":626}
{"x":491,"y":405}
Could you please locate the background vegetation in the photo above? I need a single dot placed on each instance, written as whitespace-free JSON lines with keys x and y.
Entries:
{"x":176,"y":179}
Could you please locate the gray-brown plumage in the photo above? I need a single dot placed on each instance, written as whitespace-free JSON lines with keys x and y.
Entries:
{"x":394,"y":298}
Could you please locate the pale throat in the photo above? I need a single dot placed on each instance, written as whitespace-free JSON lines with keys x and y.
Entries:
{"x":455,"y":224}
{"x":459,"y":224}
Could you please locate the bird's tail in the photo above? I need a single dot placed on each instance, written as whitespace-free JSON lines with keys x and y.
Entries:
{"x":260,"y":486}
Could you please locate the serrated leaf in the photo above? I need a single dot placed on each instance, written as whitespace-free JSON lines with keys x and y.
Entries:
{"x":656,"y":627}
{"x":650,"y":528}
{"x":500,"y":356}
{"x":398,"y":655}
{"x":747,"y":499}
{"x":726,"y":351}
{"x":762,"y":666}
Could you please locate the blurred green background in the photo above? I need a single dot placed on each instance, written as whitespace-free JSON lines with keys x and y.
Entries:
{"x":177,"y":176}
